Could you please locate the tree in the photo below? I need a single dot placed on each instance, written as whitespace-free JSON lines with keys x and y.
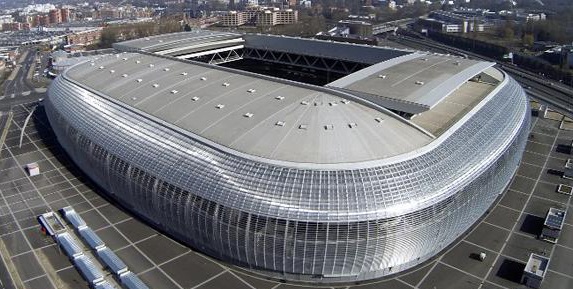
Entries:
{"x":507,"y":30}
{"x":508,"y":33}
{"x":144,"y":29}
{"x":108,"y":37}
{"x":528,"y":40}
{"x":169,"y":27}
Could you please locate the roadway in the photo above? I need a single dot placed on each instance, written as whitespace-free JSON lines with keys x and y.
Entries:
{"x":18,"y":88}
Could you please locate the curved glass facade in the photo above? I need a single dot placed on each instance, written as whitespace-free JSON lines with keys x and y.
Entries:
{"x":328,"y":225}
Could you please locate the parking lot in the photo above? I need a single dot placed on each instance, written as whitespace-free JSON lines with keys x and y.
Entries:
{"x":507,"y":233}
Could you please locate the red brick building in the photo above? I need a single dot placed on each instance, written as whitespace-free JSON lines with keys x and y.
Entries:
{"x":85,"y":37}
{"x":55,"y":16}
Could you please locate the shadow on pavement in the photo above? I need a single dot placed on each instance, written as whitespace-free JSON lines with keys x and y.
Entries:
{"x":532,"y":225}
{"x":511,"y":270}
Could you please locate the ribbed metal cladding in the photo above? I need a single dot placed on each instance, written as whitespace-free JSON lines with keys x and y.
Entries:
{"x":306,"y":224}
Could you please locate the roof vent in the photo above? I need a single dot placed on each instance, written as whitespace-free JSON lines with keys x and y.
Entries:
{"x":139,"y":80}
{"x":124,"y":75}
{"x":138,"y":61}
{"x":304,"y":102}
{"x":248,"y":114}
{"x":155,"y":85}
{"x":151,"y":65}
{"x":195,"y":98}
{"x":183,"y":73}
{"x":101,"y":67}
{"x":280,"y":123}
{"x":424,"y":59}
{"x":134,"y":98}
{"x":419,"y":82}
{"x":383,"y":76}
{"x":225,"y":84}
{"x":174,"y":91}
{"x":329,"y":127}
{"x":333,"y":103}
{"x":378,"y":119}
{"x":219,"y":106}
{"x":125,"y":58}
{"x":166,"y":69}
{"x":457,"y":63}
{"x":280,"y":97}
{"x":251,"y":90}
{"x":111,"y":71}
{"x":303,"y":126}
{"x":203,"y":78}
{"x":92,"y":64}
{"x":352,"y":125}
{"x":345,"y":101}
{"x":317,"y":103}
{"x":160,"y":40}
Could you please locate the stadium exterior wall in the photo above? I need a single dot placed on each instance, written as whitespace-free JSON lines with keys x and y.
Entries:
{"x":334,"y":225}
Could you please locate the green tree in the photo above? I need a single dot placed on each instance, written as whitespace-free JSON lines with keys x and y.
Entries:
{"x":508,"y":33}
{"x":528,"y":40}
{"x":108,"y":37}
{"x":506,"y":30}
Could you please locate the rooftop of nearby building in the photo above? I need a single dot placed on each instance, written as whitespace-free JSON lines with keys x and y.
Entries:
{"x":536,"y":265}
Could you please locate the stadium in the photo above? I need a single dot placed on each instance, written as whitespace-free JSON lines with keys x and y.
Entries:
{"x":387,"y":162}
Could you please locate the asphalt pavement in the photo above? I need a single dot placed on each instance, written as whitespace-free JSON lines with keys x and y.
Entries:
{"x":18,"y":88}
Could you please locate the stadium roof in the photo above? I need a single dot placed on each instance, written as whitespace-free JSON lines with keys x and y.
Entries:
{"x":412,"y":83}
{"x":269,"y":118}
{"x":323,"y":48}
{"x":179,"y":40}
{"x":175,"y":43}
